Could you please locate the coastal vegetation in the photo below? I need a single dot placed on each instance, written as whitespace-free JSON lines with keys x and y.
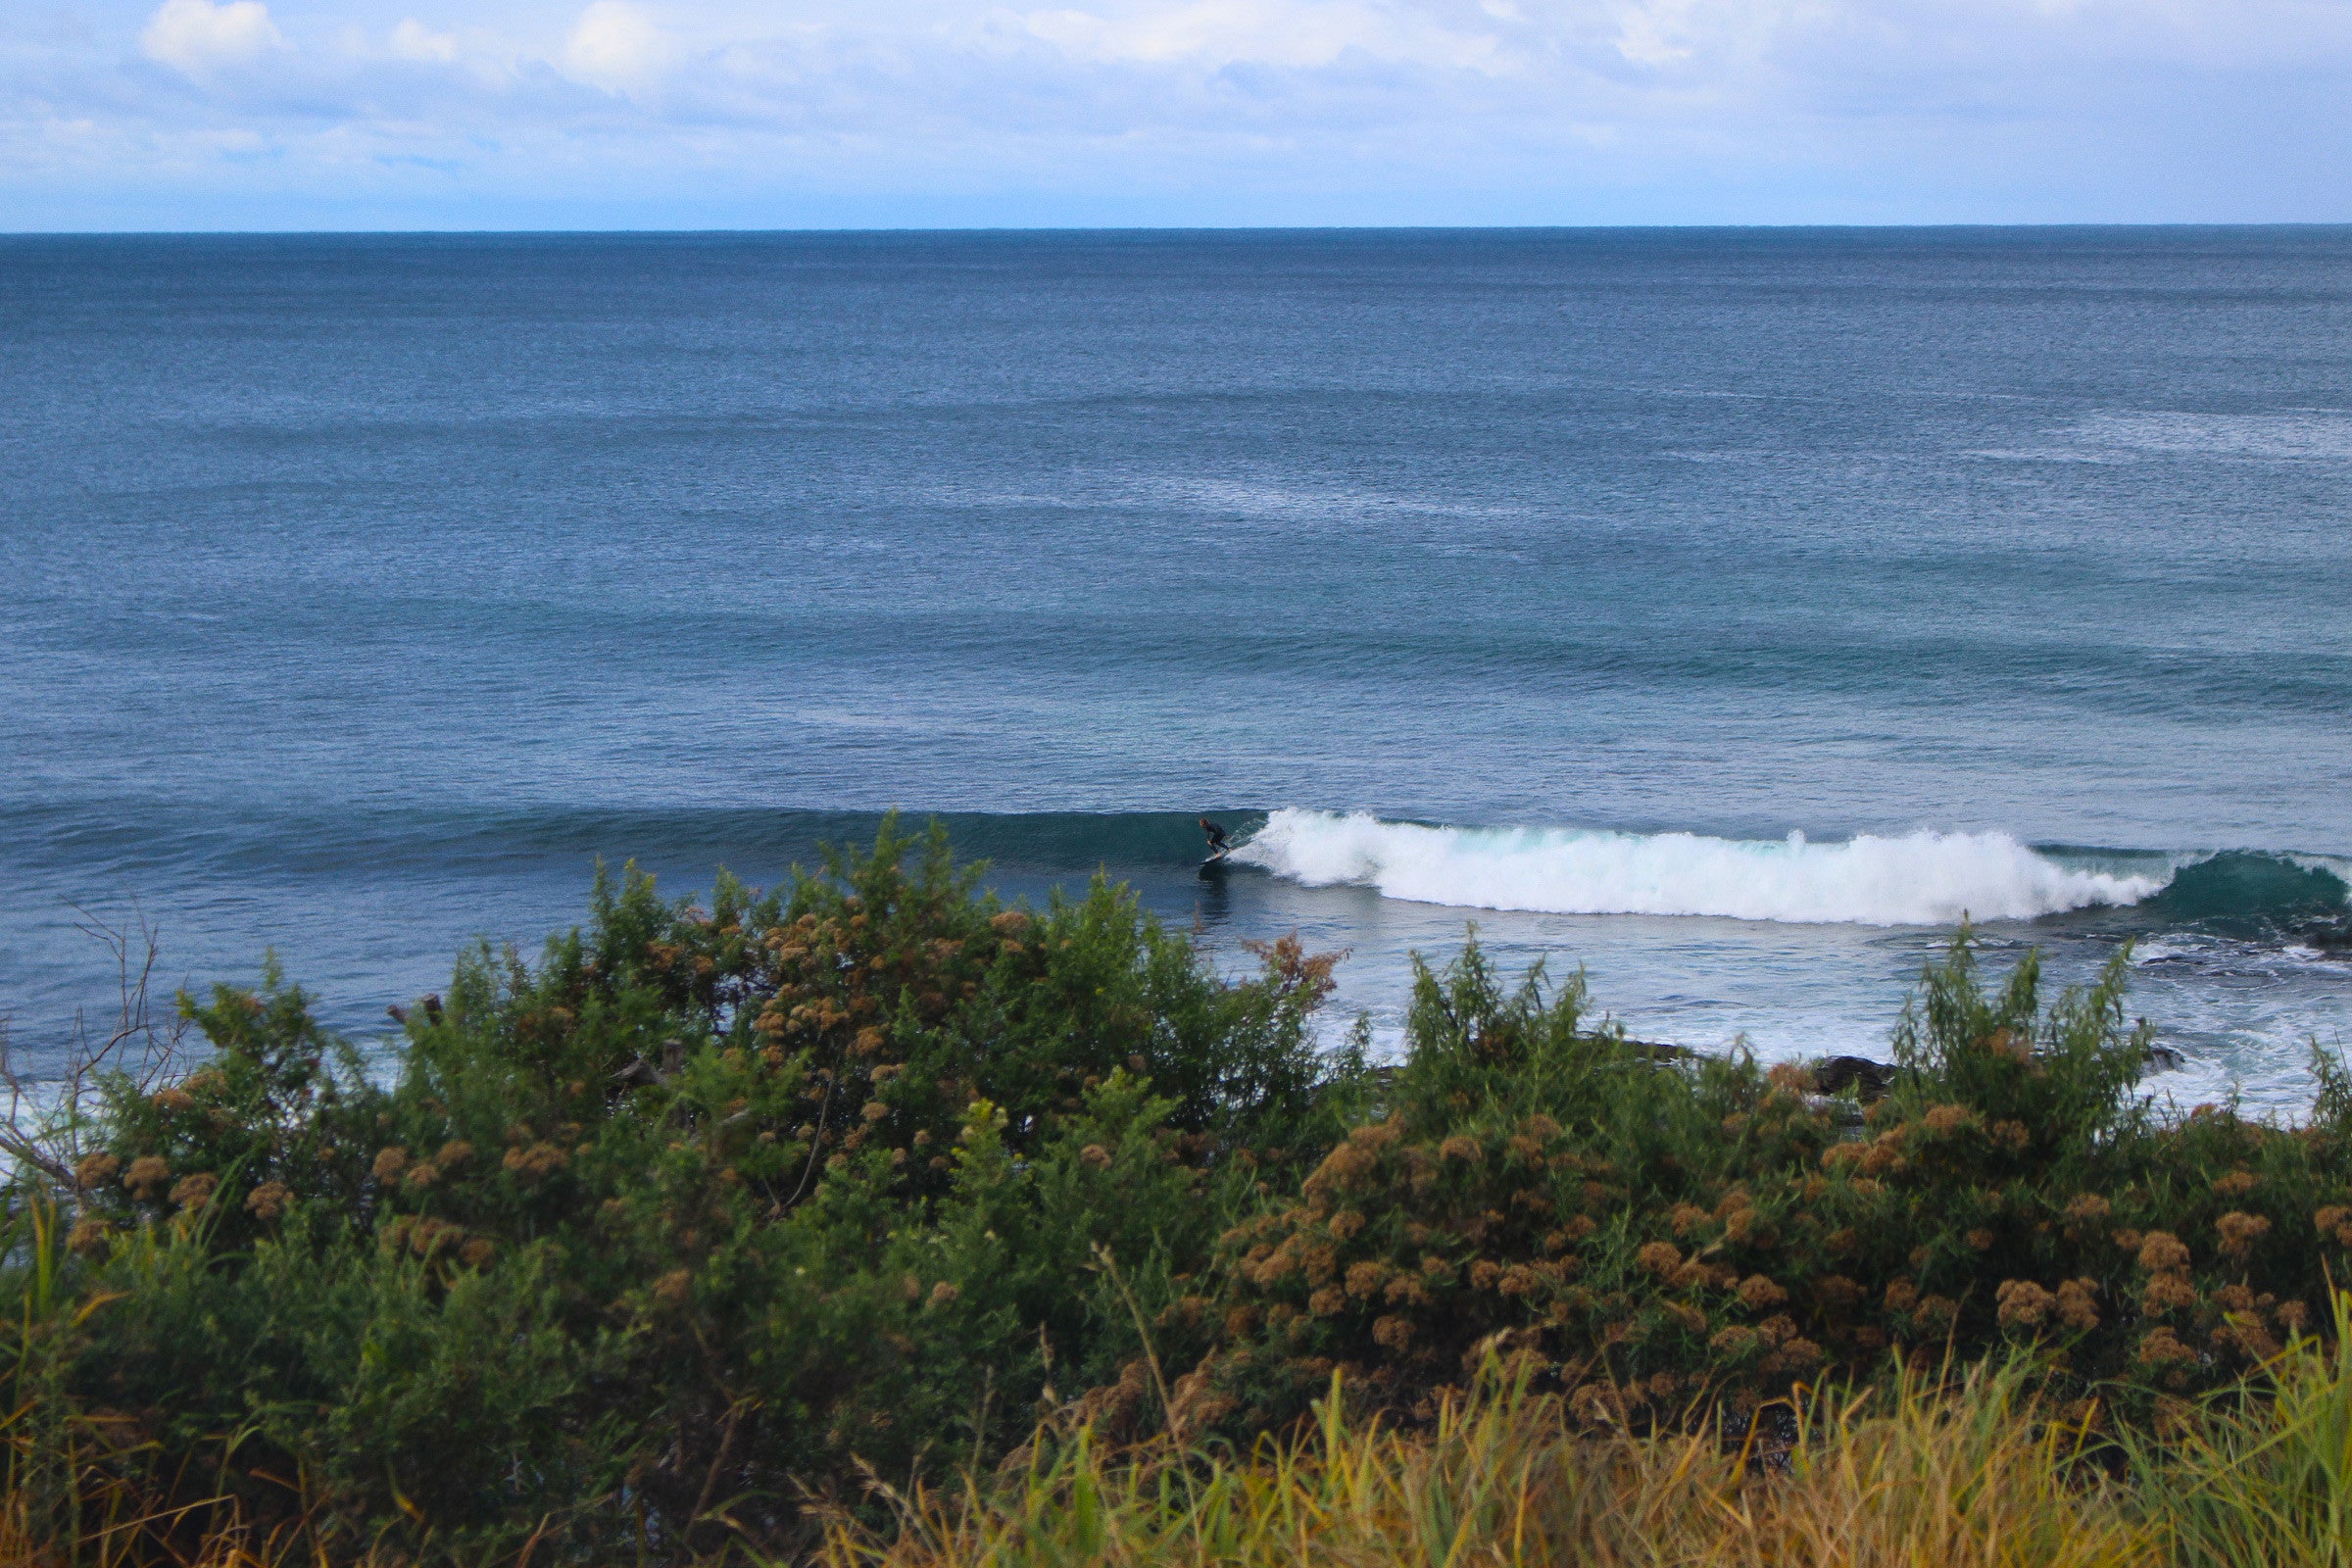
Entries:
{"x":870,"y":1220}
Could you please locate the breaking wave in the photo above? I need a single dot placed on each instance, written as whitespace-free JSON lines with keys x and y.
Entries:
{"x":1918,"y":879}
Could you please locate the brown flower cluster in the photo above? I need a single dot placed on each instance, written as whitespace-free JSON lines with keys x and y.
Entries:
{"x":2239,"y":1231}
{"x":2025,"y":1303}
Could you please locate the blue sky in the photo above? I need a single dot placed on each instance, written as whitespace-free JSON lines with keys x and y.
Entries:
{"x":532,"y":113}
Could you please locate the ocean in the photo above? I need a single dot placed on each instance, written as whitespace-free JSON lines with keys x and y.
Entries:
{"x":1726,"y":612}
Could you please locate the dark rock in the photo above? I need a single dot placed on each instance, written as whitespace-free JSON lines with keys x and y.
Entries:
{"x":1871,"y":1080}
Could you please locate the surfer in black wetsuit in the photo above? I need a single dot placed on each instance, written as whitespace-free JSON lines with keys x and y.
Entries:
{"x":1218,"y":843}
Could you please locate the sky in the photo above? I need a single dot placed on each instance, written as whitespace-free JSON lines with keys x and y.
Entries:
{"x":828,"y":114}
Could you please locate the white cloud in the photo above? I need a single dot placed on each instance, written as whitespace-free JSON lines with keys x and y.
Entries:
{"x":1656,"y":34}
{"x":1272,"y":33}
{"x":196,"y":36}
{"x":1195,"y":109}
{"x":414,"y":40}
{"x":616,"y":46}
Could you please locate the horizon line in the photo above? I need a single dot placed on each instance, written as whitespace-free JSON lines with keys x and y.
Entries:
{"x":1177,"y":229}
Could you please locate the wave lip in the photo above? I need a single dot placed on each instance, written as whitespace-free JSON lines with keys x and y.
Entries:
{"x":1922,"y":878}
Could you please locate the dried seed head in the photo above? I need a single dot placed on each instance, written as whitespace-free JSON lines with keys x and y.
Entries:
{"x":194,"y":1190}
{"x":1945,"y":1120}
{"x":268,"y":1200}
{"x":2023,"y":1304}
{"x":2239,"y":1231}
{"x":2087,"y":1209}
{"x":1933,"y":1311}
{"x":2074,"y":1305}
{"x":536,"y":1161}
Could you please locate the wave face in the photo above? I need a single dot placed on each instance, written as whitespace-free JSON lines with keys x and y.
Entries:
{"x":2252,"y":893}
{"x":1918,"y":879}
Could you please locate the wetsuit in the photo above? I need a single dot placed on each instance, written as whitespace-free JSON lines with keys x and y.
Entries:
{"x":1217,"y":842}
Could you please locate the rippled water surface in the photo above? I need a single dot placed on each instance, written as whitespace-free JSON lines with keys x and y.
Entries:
{"x":356,"y":592}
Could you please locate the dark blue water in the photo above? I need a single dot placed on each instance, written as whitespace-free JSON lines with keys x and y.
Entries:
{"x":356,"y":592}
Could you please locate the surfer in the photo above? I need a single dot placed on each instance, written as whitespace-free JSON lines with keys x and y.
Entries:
{"x":1219,"y":845}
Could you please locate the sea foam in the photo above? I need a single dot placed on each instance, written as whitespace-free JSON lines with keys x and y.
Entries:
{"x":1921,"y":879}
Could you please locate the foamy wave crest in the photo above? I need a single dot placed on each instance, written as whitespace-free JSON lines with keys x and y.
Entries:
{"x":1918,"y":879}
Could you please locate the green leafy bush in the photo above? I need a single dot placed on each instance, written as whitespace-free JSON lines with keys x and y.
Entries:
{"x":678,"y":1236}
{"x":1653,"y":1232}
{"x":705,"y":1207}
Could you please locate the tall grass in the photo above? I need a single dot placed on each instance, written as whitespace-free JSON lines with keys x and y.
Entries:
{"x":1904,"y":1475}
{"x":2263,"y":1476}
{"x":1965,"y":1471}
{"x":1969,"y":1470}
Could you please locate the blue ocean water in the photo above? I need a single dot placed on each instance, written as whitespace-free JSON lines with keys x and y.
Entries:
{"x":356,"y":592}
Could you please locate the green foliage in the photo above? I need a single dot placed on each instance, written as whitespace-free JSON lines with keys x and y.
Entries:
{"x":1650,"y":1233}
{"x":676,"y":1236}
{"x":705,"y":1207}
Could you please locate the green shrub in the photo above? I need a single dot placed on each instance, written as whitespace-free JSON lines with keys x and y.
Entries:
{"x":678,"y":1236}
{"x":1651,"y":1232}
{"x":705,"y":1207}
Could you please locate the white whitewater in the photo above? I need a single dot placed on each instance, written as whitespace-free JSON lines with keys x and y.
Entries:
{"x":1920,"y":878}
